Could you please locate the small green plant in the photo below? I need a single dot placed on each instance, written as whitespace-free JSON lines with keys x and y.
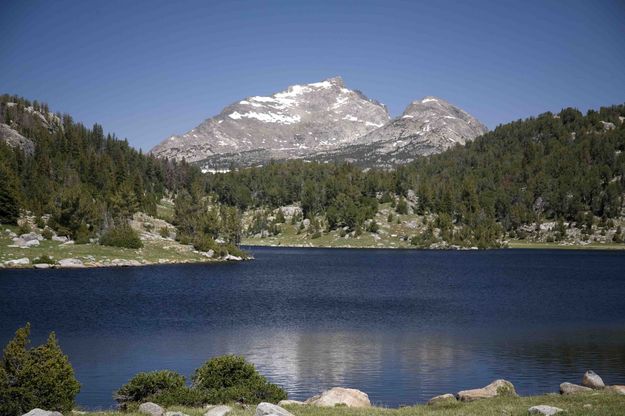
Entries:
{"x":204,"y":242}
{"x":43,"y":259}
{"x":164,"y":232}
{"x":47,"y":233}
{"x":24,"y":228}
{"x":121,"y":236}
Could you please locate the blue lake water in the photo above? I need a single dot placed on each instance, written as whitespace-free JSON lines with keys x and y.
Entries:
{"x":400,"y":325}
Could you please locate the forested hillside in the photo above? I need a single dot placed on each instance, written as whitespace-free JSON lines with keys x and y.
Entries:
{"x":560,"y":173}
{"x":83,"y":181}
{"x":567,"y":168}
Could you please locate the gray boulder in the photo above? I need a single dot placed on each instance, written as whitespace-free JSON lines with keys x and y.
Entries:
{"x":617,"y":389}
{"x":340,"y":396}
{"x":544,"y":410}
{"x":175,"y":414}
{"x":494,"y":389}
{"x":592,"y":380}
{"x":42,"y":266}
{"x":41,"y":412}
{"x":265,"y":409}
{"x":220,"y":410}
{"x":570,"y":388}
{"x":24,"y":261}
{"x":71,"y":263}
{"x":151,"y":409}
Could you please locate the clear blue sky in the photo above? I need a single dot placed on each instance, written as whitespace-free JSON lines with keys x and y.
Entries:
{"x":149,"y":69}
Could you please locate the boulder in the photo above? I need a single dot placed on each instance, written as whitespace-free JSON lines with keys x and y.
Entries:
{"x":42,"y":265}
{"x":570,"y":388}
{"x":264,"y":409}
{"x":290,"y":403}
{"x":616,"y":389}
{"x":71,"y":263}
{"x":151,"y":409}
{"x":175,"y":414}
{"x":494,"y":389}
{"x":41,"y":412}
{"x":60,"y":238}
{"x":442,"y":399}
{"x":24,"y":261}
{"x":220,"y":410}
{"x":31,"y":236}
{"x":125,"y":263}
{"x":230,"y":257}
{"x":592,"y":380}
{"x":544,"y":410}
{"x":340,"y":396}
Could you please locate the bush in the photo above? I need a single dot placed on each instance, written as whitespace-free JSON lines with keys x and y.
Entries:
{"x":38,"y":377}
{"x":204,"y":242}
{"x":121,"y":236}
{"x":230,"y":378}
{"x":164,"y":232}
{"x":47,"y":233}
{"x":24,"y":228}
{"x":44,"y":259}
{"x":145,"y":385}
{"x":182,"y":396}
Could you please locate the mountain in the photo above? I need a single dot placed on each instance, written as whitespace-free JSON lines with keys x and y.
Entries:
{"x":296,"y":122}
{"x":427,"y":126}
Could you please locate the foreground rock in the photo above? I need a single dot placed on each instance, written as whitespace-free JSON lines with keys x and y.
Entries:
{"x":18,"y":262}
{"x":544,"y":410}
{"x":442,"y":399}
{"x":494,"y":389}
{"x":570,"y":388}
{"x":41,"y":412}
{"x":592,"y":380}
{"x":264,"y":409}
{"x":175,"y":414}
{"x":340,"y":396}
{"x":290,"y":403}
{"x":220,"y":410}
{"x":616,"y":389}
{"x":71,"y":263}
{"x":151,"y":409}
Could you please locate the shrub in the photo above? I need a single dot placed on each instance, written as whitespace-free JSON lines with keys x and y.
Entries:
{"x":121,"y":236}
{"x":204,"y":242}
{"x":38,"y":377}
{"x":43,"y":259}
{"x":230,"y":378}
{"x":47,"y":233}
{"x":164,"y":232}
{"x":24,"y":228}
{"x":181,"y":396}
{"x":145,"y":385}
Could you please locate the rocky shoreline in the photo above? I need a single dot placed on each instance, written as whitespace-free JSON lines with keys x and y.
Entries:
{"x":342,"y":397}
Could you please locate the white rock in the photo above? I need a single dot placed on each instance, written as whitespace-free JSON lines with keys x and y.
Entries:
{"x":41,"y":412}
{"x":592,"y":380}
{"x":340,"y":396}
{"x":441,"y":399}
{"x":570,"y":388}
{"x":544,"y":410}
{"x":71,"y":263}
{"x":265,"y":409}
{"x":175,"y":414}
{"x":617,"y":389}
{"x":151,"y":409}
{"x":42,"y":266}
{"x":230,"y":257}
{"x":220,"y":410}
{"x":17,"y":262}
{"x":494,"y":389}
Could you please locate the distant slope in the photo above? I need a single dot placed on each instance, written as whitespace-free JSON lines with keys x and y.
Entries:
{"x":428,"y":126}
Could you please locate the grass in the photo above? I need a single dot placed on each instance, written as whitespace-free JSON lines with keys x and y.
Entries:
{"x":601,"y":403}
{"x":154,"y":251}
{"x":590,"y":246}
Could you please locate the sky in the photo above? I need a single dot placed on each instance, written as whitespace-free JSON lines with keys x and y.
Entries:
{"x":148,"y":69}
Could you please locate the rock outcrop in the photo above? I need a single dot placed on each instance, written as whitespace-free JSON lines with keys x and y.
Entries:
{"x":220,"y":410}
{"x":442,"y":399}
{"x":41,"y":412}
{"x":340,"y":396}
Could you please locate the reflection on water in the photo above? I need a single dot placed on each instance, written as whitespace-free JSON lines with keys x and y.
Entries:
{"x":401,"y":326}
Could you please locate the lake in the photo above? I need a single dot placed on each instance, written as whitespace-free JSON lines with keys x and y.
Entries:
{"x":402,"y":326}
